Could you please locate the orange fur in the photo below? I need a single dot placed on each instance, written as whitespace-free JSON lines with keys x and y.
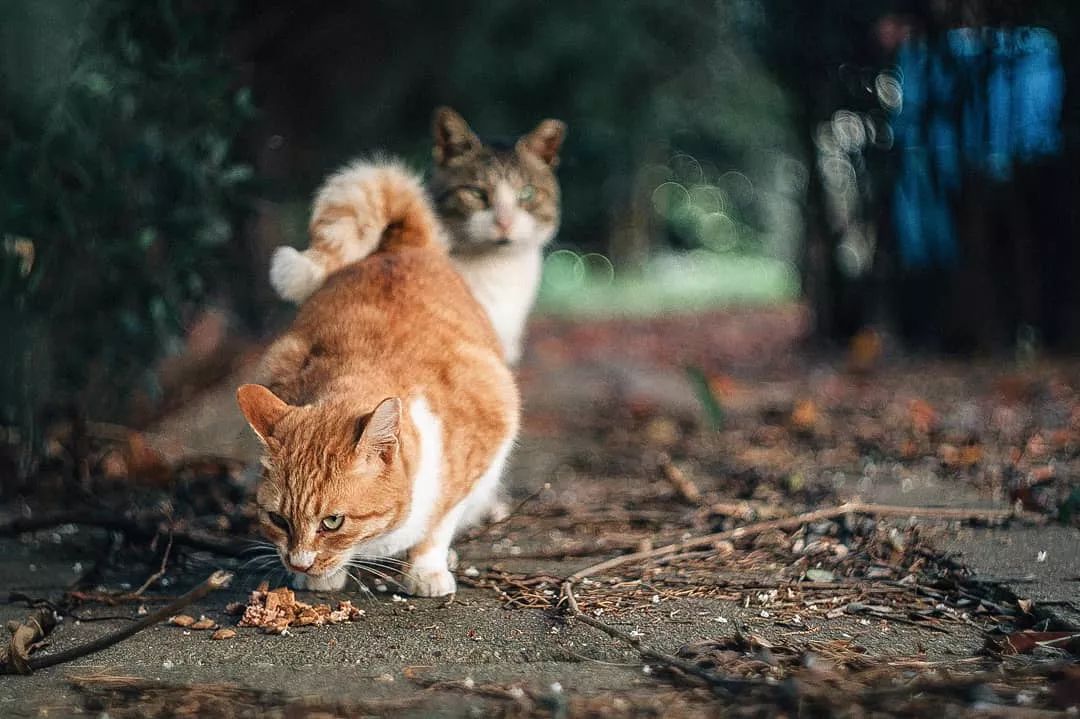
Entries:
{"x":338,"y":416}
{"x":352,"y":210}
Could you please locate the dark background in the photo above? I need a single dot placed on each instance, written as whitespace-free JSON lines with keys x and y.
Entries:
{"x":155,"y":152}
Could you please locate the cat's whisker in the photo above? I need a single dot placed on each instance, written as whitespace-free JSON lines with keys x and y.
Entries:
{"x":391,"y":563}
{"x":374,"y":569}
{"x":257,"y":548}
{"x":271,"y":576}
{"x":363,"y":587}
{"x":373,"y":563}
{"x":258,"y":561}
{"x":384,"y":559}
{"x":262,"y":563}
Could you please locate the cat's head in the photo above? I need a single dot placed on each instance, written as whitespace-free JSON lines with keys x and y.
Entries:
{"x":333,"y":477}
{"x":495,"y":196}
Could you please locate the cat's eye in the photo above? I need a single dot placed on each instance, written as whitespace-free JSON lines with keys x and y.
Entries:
{"x":526,"y":194}
{"x":334,"y":521}
{"x":477,"y":193}
{"x":278,"y":521}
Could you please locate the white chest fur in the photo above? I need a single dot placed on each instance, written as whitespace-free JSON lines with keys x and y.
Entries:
{"x":426,"y":486}
{"x":505,"y":283}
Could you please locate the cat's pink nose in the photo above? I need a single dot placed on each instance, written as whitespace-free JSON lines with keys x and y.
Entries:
{"x":301,"y":561}
{"x":502,"y":224}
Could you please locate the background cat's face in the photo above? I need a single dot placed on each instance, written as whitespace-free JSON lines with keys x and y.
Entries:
{"x":331,"y":481}
{"x":492,"y":196}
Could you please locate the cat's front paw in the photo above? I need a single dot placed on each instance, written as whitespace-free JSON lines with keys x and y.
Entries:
{"x":326,"y":583}
{"x":430,"y":583}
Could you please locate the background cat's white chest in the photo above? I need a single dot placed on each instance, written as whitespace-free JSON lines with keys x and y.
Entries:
{"x":506,"y":286}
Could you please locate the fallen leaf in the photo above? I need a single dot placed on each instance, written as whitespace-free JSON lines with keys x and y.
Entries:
{"x":805,"y":416}
{"x":1025,"y":642}
{"x":223,"y":634}
{"x":25,"y":637}
{"x":864,"y":351}
{"x":923,"y":417}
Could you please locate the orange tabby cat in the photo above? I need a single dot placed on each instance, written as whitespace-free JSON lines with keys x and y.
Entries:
{"x":389,"y":409}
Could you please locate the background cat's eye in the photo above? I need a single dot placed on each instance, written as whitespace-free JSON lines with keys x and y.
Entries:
{"x":527,"y":193}
{"x":334,"y":521}
{"x":278,"y":521}
{"x":477,"y":193}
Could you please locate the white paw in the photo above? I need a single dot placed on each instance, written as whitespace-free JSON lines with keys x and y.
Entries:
{"x":293,"y":275}
{"x":451,"y":559}
{"x":326,"y":583}
{"x":430,"y":582}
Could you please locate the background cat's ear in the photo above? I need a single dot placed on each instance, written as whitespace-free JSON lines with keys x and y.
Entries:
{"x":262,"y":408}
{"x":546,"y":140}
{"x":379,"y":431}
{"x":453,"y":136}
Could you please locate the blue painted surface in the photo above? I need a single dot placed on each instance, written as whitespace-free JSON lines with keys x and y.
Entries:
{"x":984,"y":100}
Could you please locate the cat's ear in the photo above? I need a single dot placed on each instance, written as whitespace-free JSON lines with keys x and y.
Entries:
{"x":453,"y":136}
{"x":546,"y":140}
{"x":262,"y":408}
{"x":379,"y":431}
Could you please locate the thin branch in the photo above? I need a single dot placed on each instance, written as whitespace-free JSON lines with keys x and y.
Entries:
{"x":718,"y":683}
{"x":486,"y":529}
{"x":682,"y":484}
{"x":924,"y":685}
{"x":215,"y":581}
{"x":881,"y":510}
{"x":159,"y":573}
{"x":144,"y":527}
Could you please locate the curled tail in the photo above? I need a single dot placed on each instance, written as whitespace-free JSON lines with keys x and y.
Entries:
{"x":362,"y":208}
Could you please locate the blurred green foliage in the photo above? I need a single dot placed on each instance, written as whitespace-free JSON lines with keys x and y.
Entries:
{"x":121,"y":194}
{"x":653,"y":91}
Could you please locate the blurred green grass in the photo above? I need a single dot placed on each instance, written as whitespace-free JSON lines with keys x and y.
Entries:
{"x":669,"y":283}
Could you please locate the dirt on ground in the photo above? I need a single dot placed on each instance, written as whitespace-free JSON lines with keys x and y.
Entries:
{"x":710,"y":519}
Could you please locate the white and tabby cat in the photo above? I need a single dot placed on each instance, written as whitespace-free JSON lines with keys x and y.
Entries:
{"x":499,"y":204}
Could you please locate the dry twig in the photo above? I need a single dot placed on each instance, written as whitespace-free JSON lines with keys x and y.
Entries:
{"x":486,"y":528}
{"x":678,"y":479}
{"x":215,"y":581}
{"x":143,"y":526}
{"x":718,"y":683}
{"x":880,"y":510}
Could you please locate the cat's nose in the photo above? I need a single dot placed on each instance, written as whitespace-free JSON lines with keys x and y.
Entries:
{"x":502,"y":225}
{"x":301,"y":561}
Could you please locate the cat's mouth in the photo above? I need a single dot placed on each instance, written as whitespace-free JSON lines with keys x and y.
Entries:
{"x":317,"y":569}
{"x":502,"y":242}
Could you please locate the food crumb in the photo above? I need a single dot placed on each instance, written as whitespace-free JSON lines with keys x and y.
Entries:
{"x":274,"y":611}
